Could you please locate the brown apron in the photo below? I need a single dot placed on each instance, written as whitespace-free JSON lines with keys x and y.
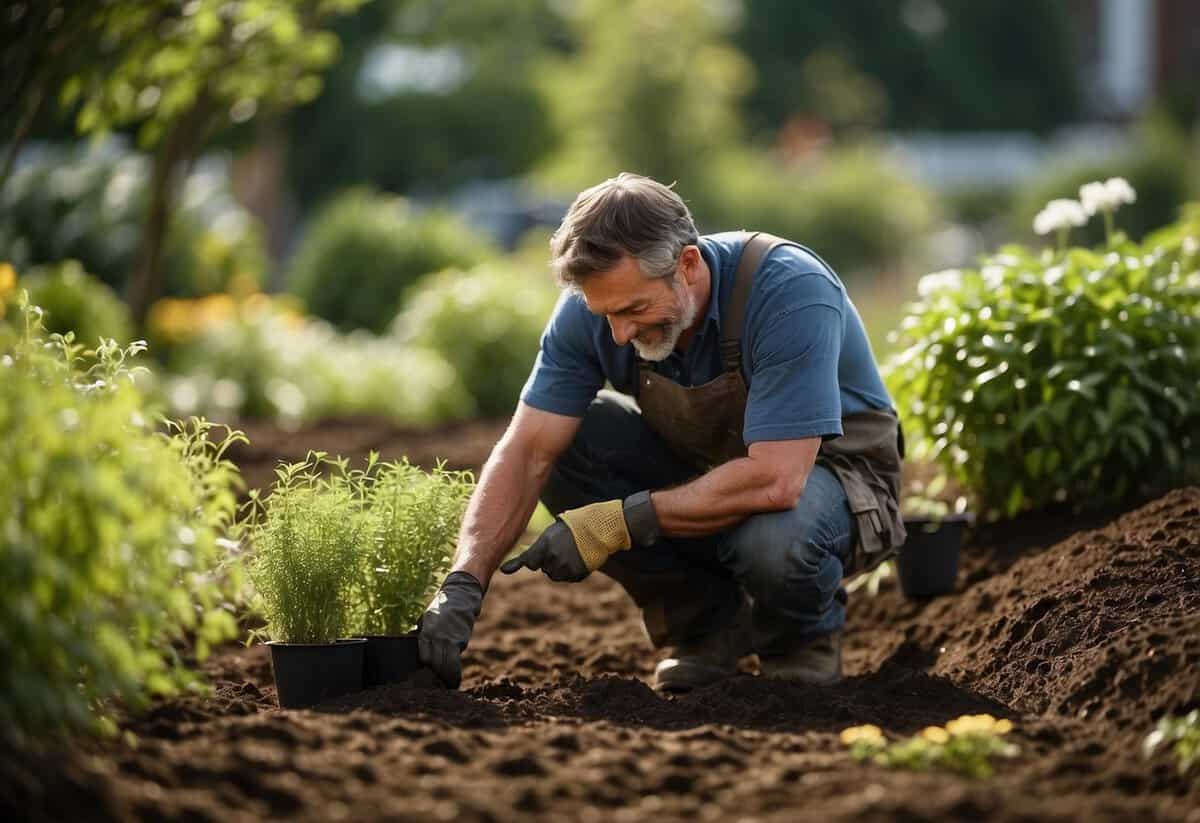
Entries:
{"x":703,"y":424}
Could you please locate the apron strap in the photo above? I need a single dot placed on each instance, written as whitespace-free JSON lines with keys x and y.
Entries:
{"x":755,"y":248}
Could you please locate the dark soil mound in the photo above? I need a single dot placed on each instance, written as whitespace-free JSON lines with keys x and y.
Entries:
{"x":1104,"y":627}
{"x":1083,"y":643}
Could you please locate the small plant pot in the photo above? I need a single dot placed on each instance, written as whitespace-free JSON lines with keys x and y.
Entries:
{"x":309,"y":673}
{"x":389,"y":659}
{"x":928,"y":561}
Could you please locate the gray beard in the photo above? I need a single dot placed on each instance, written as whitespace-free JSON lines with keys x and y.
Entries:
{"x":657,"y":352}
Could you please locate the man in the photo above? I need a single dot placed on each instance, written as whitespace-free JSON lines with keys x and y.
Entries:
{"x":747,"y":458}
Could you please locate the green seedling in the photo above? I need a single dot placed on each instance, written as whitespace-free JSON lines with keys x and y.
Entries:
{"x":413,"y":520}
{"x":1181,"y":734}
{"x":965,"y":745}
{"x":306,"y":543}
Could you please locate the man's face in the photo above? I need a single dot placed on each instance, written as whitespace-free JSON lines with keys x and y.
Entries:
{"x":650,"y":314}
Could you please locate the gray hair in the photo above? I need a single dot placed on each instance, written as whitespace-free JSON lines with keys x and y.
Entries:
{"x":625,"y":215}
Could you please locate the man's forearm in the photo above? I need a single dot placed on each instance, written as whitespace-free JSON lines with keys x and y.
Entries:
{"x":725,"y":496}
{"x":499,"y":510}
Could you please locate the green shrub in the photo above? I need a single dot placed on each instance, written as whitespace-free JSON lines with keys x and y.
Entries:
{"x":306,"y":541}
{"x":413,"y":523}
{"x":75,"y":301}
{"x":851,"y":206}
{"x":259,"y":358}
{"x":486,"y":322}
{"x":110,"y":536}
{"x":364,"y":251}
{"x":87,"y":204}
{"x":1058,"y":376}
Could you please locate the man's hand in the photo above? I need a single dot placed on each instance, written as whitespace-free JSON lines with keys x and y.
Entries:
{"x":445,"y":628}
{"x":555,"y":553}
{"x":579,"y":543}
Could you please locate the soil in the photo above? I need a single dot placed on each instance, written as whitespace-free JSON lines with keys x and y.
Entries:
{"x":1083,"y":631}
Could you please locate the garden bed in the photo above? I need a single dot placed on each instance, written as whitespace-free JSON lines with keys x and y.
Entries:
{"x":1081,"y":631}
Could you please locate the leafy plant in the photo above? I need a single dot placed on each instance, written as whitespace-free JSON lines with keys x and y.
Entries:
{"x":965,"y":745}
{"x":365,"y":251}
{"x":413,"y":522}
{"x":110,"y":535}
{"x":926,"y":501}
{"x":1041,"y":376}
{"x":1182,"y":731}
{"x":72,"y":300}
{"x":873,"y":579}
{"x":486,"y":322}
{"x":306,"y":541}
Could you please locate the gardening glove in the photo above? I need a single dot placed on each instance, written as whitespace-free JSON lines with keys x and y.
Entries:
{"x":583,"y":539}
{"x":445,"y":629}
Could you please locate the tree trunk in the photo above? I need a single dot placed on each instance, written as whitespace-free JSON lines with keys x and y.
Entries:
{"x":146,"y":282}
{"x":34,"y":108}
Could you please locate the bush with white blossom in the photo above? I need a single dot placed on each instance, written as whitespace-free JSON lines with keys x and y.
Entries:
{"x":1062,"y":375}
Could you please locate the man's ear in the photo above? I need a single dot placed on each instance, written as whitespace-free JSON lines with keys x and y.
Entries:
{"x":689,"y":260}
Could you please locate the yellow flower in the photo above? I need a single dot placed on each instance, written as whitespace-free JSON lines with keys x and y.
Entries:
{"x":935,"y":734}
{"x":864,"y":734}
{"x":8,"y":279}
{"x":972,"y":724}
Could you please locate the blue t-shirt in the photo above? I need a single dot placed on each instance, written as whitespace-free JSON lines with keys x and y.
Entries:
{"x":805,"y":354}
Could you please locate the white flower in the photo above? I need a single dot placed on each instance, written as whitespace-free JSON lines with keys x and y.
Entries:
{"x":1119,"y":191}
{"x":1106,"y":196}
{"x":1059,"y":214}
{"x":948,"y":280}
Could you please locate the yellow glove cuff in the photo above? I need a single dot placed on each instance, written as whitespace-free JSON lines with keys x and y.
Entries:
{"x":599,"y":530}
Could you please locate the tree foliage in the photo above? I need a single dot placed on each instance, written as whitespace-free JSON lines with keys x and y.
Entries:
{"x":932,"y":64}
{"x":652,"y":86}
{"x":178,"y":71}
{"x":488,"y":121}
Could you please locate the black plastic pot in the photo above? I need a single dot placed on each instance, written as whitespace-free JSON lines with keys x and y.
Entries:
{"x":390,"y":659}
{"x":928,"y":560}
{"x":309,"y":673}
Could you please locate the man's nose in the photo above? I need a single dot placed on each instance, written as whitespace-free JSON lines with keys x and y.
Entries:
{"x":622,"y":330}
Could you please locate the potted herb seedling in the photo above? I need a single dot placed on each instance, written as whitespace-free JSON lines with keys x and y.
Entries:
{"x":413,"y":521}
{"x":927,"y":563}
{"x":306,"y":544}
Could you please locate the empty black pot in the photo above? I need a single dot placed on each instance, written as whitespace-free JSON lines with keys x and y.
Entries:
{"x":928,"y":560}
{"x":389,"y":659}
{"x":309,"y":673}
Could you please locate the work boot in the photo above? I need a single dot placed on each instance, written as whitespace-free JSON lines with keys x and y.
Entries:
{"x":817,"y":662}
{"x":705,"y":661}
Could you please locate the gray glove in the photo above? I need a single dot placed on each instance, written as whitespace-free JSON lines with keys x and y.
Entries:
{"x":554,"y":553}
{"x":445,"y":629}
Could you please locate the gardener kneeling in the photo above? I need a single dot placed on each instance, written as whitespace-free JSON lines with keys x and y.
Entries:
{"x":748,"y":459}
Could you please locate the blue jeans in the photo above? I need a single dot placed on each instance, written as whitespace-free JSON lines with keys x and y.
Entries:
{"x":788,"y":564}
